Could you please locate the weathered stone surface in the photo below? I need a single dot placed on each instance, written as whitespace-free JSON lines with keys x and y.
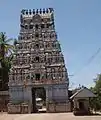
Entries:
{"x":59,"y":107}
{"x":17,"y":109}
{"x":38,"y":61}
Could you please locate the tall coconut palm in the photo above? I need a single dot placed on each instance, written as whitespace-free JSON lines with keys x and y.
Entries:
{"x":5,"y":55}
{"x":5,"y":47}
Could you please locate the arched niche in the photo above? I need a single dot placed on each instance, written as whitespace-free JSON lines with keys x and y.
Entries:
{"x":37,"y":18}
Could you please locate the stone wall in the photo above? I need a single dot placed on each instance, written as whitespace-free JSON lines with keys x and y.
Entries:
{"x":19,"y":94}
{"x":18,"y":109}
{"x":56,"y":98}
{"x":59,"y":107}
{"x":58,"y":92}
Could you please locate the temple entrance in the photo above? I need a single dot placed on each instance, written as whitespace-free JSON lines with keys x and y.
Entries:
{"x":38,"y":99}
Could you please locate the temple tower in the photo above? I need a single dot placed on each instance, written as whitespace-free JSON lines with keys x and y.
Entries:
{"x":38,"y":62}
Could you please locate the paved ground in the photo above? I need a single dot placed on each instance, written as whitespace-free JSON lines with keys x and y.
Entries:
{"x":47,"y":116}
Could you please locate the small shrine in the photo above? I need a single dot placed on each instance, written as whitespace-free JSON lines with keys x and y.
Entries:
{"x":81,"y":101}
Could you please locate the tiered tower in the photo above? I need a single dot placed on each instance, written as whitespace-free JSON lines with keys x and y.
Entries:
{"x":38,"y":61}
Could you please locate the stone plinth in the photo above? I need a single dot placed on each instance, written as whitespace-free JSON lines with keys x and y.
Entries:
{"x":17,"y":109}
{"x":58,"y":107}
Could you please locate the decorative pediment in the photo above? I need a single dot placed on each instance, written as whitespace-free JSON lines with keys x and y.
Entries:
{"x":37,"y":18}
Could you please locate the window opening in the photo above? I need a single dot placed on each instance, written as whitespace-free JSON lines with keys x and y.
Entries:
{"x":37,"y":59}
{"x":31,"y":27}
{"x":26,"y":26}
{"x":47,"y":25}
{"x":36,"y":26}
{"x":37,"y":76}
{"x":42,"y":20}
{"x":36,"y":35}
{"x":37,"y":45}
{"x":42,"y":26}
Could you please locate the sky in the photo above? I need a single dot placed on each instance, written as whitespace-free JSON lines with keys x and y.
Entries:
{"x":78,"y":26}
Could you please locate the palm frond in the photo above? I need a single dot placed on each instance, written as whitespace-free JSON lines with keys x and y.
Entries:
{"x":2,"y":38}
{"x":11,"y":57}
{"x":10,"y":51}
{"x":0,"y":58}
{"x":8,"y":40}
{"x":1,"y":42}
{"x":6,"y":48}
{"x":10,"y":46}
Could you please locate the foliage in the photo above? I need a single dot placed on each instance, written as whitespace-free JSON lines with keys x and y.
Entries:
{"x":6,"y":56}
{"x":6,"y":51}
{"x":96,"y":102}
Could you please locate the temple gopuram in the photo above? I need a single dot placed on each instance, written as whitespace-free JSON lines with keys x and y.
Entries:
{"x":38,"y":63}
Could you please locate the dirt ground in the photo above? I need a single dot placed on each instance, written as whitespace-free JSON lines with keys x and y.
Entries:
{"x":46,"y":116}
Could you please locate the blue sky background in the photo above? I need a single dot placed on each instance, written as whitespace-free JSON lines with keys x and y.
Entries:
{"x":78,"y":24}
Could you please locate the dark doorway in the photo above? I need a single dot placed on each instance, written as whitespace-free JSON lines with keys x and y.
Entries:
{"x":38,"y":99}
{"x":81,"y":105}
{"x":33,"y":101}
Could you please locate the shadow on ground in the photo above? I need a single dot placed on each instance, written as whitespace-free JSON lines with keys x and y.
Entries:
{"x":95,"y":114}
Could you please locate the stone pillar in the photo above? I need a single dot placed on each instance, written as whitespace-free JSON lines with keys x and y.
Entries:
{"x":27,"y":96}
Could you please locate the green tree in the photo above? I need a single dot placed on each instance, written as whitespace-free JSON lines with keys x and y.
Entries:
{"x":6,"y":55}
{"x":5,"y":48}
{"x":96,"y":102}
